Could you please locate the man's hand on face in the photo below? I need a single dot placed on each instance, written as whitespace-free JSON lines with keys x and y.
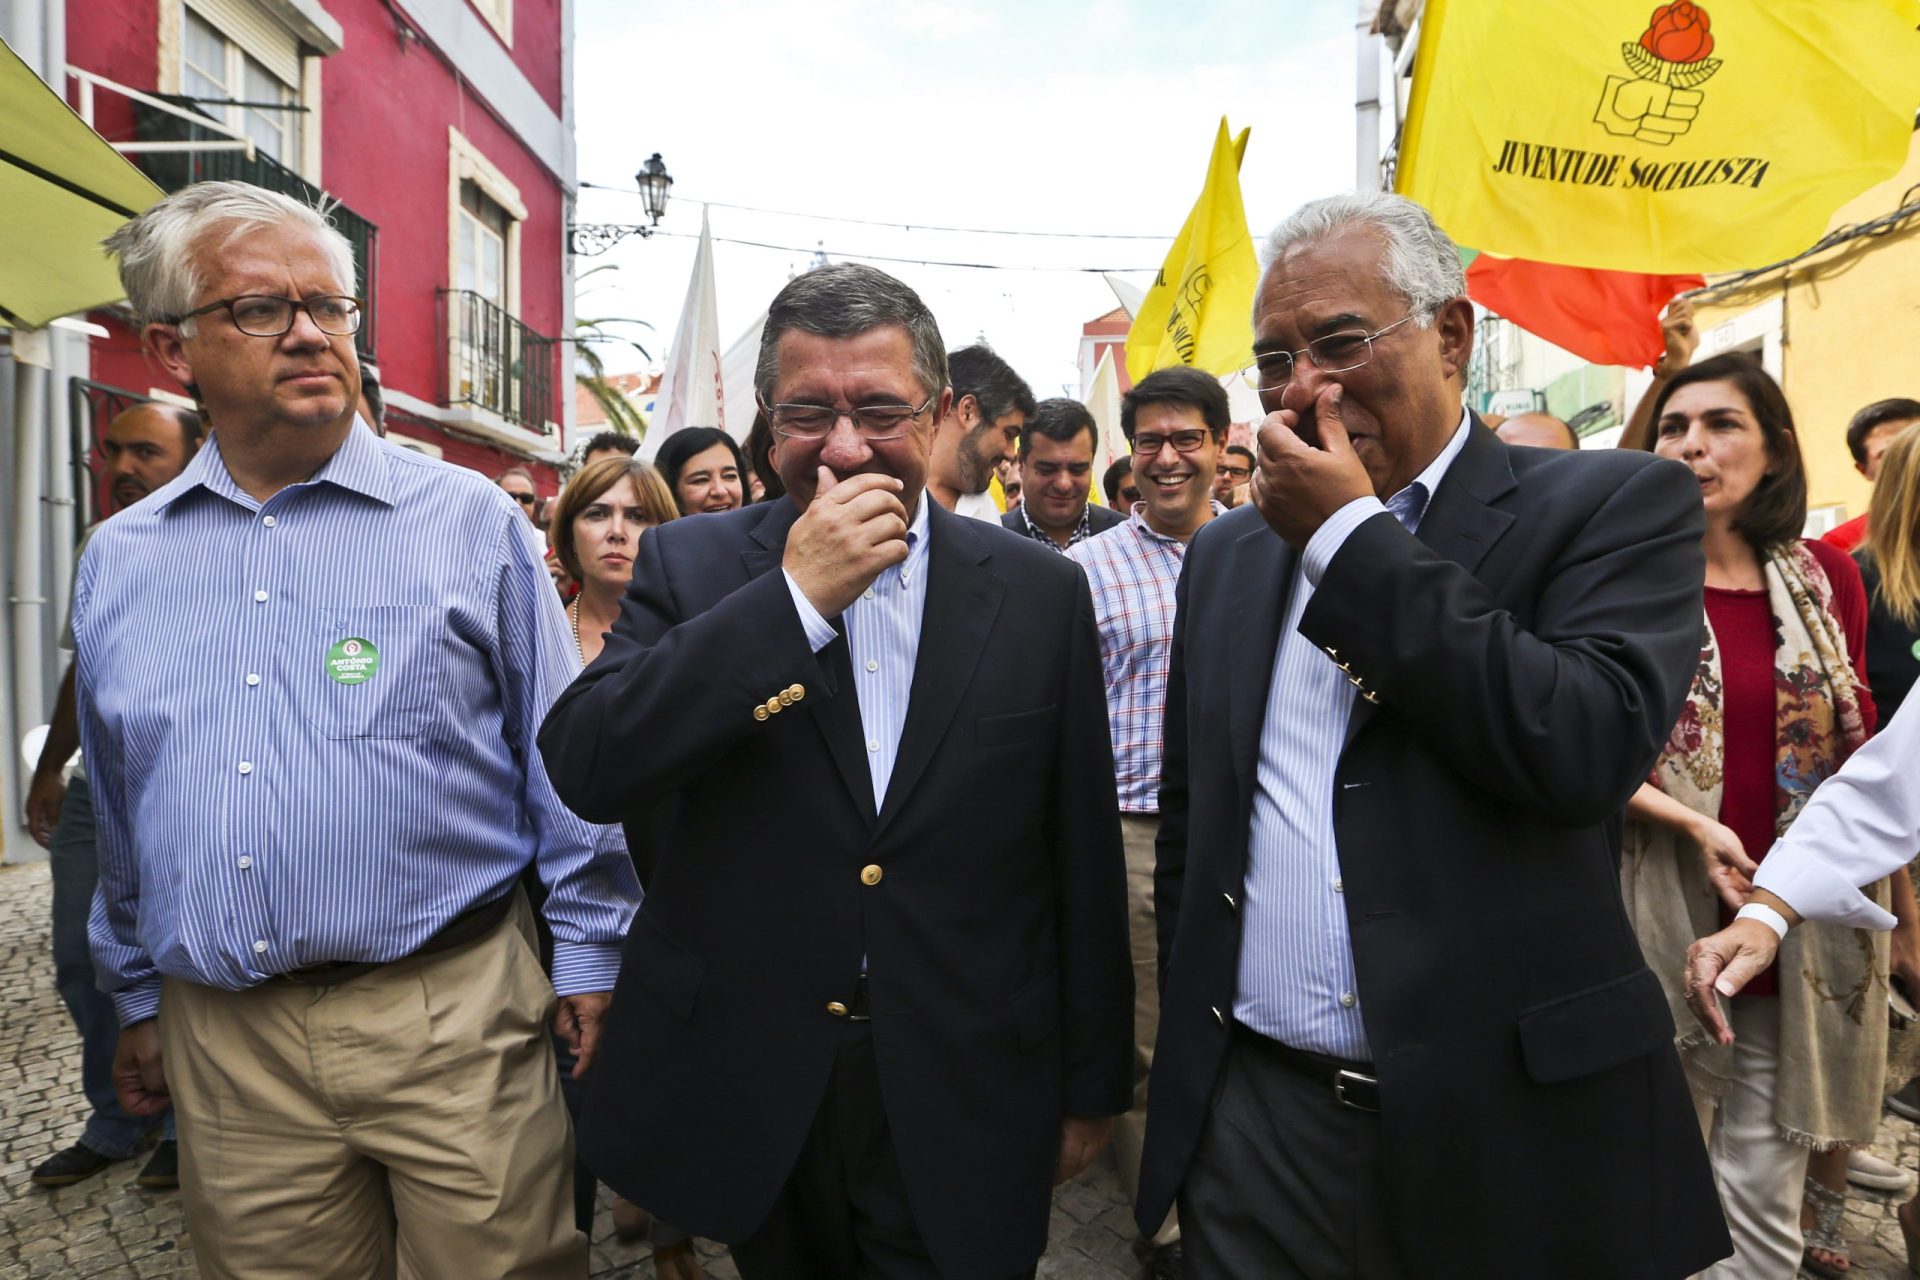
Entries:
{"x":851,"y":532}
{"x":1297,"y":486}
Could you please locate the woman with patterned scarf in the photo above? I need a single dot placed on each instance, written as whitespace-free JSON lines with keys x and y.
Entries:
{"x":1778,"y":703}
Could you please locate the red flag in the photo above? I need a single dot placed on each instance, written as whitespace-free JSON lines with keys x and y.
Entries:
{"x":1607,"y":317}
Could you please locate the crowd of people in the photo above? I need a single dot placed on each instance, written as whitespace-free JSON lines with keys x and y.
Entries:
{"x":1350,"y":812}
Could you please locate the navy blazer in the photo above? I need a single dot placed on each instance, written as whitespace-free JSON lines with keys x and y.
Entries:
{"x":995,"y":939}
{"x":1522,"y":661}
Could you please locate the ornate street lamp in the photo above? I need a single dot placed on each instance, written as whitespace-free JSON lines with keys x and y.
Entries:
{"x":587,"y":239}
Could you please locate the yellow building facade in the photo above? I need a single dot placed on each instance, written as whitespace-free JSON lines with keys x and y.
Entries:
{"x":1840,"y":330}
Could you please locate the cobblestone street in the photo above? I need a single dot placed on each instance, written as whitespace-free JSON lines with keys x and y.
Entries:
{"x":107,"y":1227}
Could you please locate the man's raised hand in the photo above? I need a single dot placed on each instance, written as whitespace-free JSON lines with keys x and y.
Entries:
{"x":848,"y":535}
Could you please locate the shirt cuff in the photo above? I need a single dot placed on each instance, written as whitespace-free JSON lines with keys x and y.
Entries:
{"x":1332,"y":535}
{"x":820,"y":632}
{"x":1819,"y":892}
{"x":138,"y":1002}
{"x":581,"y":967}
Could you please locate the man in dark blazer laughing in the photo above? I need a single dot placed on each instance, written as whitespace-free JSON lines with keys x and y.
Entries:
{"x":1406,"y":1031}
{"x":878,"y":998}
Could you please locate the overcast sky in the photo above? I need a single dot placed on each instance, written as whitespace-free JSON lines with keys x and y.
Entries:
{"x":1035,"y":116}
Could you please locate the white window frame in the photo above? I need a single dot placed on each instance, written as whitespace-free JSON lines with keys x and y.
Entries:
{"x":303,"y":156}
{"x":466,"y":163}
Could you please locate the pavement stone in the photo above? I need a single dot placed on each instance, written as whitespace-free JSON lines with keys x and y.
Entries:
{"x":109,"y":1228}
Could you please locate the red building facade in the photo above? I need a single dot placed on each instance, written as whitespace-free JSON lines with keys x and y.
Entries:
{"x":443,"y":129}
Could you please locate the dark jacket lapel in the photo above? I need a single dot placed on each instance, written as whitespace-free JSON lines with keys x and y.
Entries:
{"x":963,"y":599}
{"x":1463,"y":520}
{"x":837,"y":716}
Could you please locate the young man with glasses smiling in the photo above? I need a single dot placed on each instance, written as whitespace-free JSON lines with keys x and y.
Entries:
{"x":1176,"y":420}
{"x":310,"y":672}
{"x":884,"y":1031}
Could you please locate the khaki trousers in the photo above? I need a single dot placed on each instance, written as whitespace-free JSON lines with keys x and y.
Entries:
{"x":405,"y":1123}
{"x":1137,"y":832}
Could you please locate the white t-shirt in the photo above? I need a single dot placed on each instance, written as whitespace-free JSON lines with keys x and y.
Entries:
{"x":978,"y":505}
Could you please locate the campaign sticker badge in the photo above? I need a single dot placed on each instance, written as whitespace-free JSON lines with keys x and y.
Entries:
{"x":352,"y":661}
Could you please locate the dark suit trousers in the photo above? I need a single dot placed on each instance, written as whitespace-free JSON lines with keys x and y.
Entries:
{"x":1286,"y":1183}
{"x":843,"y":1214}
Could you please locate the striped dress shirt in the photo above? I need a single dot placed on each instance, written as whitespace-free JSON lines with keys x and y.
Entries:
{"x":1133,"y":572}
{"x":310,"y":724}
{"x":883,"y":640}
{"x":1296,"y":980}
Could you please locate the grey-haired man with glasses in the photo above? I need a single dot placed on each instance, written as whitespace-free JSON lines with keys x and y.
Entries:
{"x":311,"y":668}
{"x":878,"y":997}
{"x":1397,"y":972}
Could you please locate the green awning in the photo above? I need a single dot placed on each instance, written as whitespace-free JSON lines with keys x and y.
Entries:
{"x":64,"y":190}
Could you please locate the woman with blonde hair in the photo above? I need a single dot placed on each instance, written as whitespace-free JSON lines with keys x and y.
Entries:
{"x":1889,"y":561}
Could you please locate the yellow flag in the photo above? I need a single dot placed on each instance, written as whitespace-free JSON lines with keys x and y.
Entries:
{"x":1200,"y":309}
{"x":1695,"y":137}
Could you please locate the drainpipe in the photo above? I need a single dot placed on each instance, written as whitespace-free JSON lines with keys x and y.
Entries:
{"x":31,"y":355}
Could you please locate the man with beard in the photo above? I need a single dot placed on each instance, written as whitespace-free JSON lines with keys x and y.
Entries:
{"x":991,"y":404}
{"x":142,"y":449}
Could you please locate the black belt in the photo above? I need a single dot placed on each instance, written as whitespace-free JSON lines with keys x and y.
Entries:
{"x":1353,"y":1083}
{"x":469,"y":925}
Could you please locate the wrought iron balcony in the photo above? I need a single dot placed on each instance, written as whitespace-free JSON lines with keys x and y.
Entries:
{"x":172,"y":170}
{"x":496,"y":363}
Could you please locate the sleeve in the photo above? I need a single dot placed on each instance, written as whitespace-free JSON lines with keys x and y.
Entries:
{"x":592,"y":889}
{"x":1862,"y":824}
{"x":671,"y":696}
{"x":1850,"y":606}
{"x":1331,"y":535}
{"x":122,"y":967}
{"x":1096,"y":965}
{"x":1610,"y":641}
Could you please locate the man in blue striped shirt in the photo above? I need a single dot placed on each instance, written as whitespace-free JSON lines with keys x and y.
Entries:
{"x":311,"y":669}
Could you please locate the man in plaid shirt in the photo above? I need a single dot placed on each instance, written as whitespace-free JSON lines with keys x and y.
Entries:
{"x":1176,"y":421}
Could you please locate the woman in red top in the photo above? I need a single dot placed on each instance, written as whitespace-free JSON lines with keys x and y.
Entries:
{"x":1778,"y":703}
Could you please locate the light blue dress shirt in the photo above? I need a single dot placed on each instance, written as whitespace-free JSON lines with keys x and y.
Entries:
{"x":258,"y":814}
{"x":883,"y":639}
{"x":1296,"y":979}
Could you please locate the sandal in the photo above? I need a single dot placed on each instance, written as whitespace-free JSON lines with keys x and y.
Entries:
{"x":1827,"y":1207}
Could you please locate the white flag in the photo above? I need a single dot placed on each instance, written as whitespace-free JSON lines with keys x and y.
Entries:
{"x":1103,"y":402}
{"x":737,"y":365}
{"x":691,"y":387}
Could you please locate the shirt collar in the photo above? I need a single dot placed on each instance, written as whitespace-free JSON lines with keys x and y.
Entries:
{"x":359,"y":464}
{"x":1139,"y":521}
{"x":1420,"y":492}
{"x":1081,"y":530}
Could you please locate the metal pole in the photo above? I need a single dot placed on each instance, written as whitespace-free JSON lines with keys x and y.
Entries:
{"x":60,"y":491}
{"x":28,"y":602}
{"x":1366,"y":101}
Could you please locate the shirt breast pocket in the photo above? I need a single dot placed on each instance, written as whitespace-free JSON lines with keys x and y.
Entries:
{"x":372,"y":672}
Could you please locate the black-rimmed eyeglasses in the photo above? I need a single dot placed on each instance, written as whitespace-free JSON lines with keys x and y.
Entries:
{"x":261,"y":315}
